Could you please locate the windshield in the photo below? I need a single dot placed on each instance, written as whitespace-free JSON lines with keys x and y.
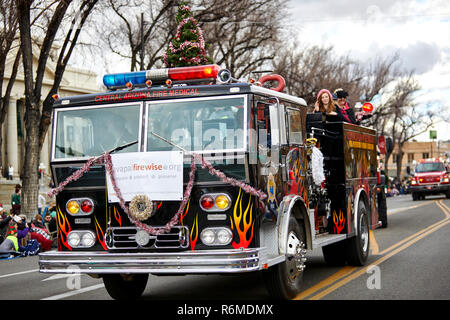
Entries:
{"x":91,"y":131}
{"x":217,"y":124}
{"x":430,"y":167}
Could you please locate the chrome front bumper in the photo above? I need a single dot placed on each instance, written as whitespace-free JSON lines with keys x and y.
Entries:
{"x":210,"y":261}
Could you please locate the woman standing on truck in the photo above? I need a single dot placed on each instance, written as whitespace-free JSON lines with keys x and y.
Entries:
{"x":344,"y":112}
{"x":324,"y":103}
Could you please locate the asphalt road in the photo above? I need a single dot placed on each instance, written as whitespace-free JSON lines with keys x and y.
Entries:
{"x":410,"y":260}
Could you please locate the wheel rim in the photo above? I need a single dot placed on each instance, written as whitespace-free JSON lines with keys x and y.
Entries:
{"x":295,"y":256}
{"x":364,"y":232}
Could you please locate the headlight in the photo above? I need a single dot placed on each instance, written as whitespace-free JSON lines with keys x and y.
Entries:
{"x":216,"y":236}
{"x":224,"y":236}
{"x":81,"y":239}
{"x":208,"y":236}
{"x":87,"y":239}
{"x":73,"y":239}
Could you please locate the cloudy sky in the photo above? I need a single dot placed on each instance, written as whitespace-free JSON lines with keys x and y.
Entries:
{"x":417,"y":30}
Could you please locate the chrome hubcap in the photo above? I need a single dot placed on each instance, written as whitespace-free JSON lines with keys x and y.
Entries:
{"x":364,"y":233}
{"x":295,"y":256}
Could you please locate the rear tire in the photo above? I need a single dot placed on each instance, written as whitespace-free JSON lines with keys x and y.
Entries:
{"x":284,"y":280}
{"x":125,"y":287}
{"x":358,"y":246}
{"x":382,"y":209}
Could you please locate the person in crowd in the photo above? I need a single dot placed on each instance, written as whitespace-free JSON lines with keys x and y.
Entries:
{"x":15,"y":199}
{"x":344,"y":112}
{"x":23,"y":232}
{"x":41,"y":203}
{"x":324,"y":102}
{"x":4,"y":222}
{"x":10,"y":172}
{"x":50,"y":220}
{"x":10,"y":245}
{"x":38,"y":221}
{"x":40,"y":233}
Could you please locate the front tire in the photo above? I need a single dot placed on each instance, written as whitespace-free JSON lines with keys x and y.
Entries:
{"x":283,"y":281}
{"x":125,"y":287}
{"x":358,"y":246}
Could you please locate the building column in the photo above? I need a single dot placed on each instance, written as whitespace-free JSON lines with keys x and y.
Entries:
{"x":44,"y":157}
{"x":11,"y":137}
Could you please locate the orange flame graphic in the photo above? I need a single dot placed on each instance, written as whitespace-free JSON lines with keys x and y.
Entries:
{"x":63,"y":228}
{"x":117,"y":216}
{"x":100,"y":234}
{"x":247,"y":220}
{"x":194,"y":227}
{"x":339,"y":222}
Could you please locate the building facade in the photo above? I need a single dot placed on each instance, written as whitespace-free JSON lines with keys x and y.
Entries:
{"x":74,"y":82}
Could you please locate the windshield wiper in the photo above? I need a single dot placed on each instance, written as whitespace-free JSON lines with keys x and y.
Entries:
{"x":168,"y":141}
{"x":122,"y":146}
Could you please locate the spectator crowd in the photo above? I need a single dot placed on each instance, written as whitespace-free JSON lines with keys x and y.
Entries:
{"x":21,"y":238}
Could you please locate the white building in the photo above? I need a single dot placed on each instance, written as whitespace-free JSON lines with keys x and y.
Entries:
{"x":74,"y":82}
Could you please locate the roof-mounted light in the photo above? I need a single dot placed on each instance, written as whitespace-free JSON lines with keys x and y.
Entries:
{"x":140,"y":78}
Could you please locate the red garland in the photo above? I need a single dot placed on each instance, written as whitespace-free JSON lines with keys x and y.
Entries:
{"x":196,"y":158}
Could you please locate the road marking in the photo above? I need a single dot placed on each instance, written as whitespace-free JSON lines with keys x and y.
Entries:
{"x":373,"y":243}
{"x":345,"y":271}
{"x":18,"y":273}
{"x":409,"y":208}
{"x":75,"y":292}
{"x":363,"y":270}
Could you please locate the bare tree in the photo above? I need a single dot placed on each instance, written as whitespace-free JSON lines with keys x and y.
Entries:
{"x":52,"y":17}
{"x":242,"y":35}
{"x":311,"y":69}
{"x":404,"y":120}
{"x":8,"y":30}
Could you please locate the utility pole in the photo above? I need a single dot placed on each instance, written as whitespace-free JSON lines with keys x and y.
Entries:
{"x":142,"y":41}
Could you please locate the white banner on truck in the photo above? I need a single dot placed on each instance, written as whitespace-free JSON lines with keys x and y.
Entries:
{"x":158,"y":175}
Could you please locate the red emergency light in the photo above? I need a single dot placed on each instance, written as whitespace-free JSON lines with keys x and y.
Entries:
{"x":119,"y":80}
{"x":367,"y":107}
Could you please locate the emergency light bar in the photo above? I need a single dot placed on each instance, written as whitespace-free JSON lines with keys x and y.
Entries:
{"x":118,"y":80}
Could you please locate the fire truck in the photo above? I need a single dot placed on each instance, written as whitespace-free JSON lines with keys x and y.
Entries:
{"x":430,"y":177}
{"x":189,"y":171}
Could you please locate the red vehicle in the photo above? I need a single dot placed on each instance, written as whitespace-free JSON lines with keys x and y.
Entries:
{"x":430,"y":177}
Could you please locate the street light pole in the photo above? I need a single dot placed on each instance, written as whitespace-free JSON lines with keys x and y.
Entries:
{"x":142,"y":41}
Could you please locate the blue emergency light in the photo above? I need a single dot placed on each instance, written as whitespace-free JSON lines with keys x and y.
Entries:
{"x":120,"y":80}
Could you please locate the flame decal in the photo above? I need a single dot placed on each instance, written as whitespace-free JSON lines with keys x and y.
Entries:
{"x":339,"y":221}
{"x":194,"y":227}
{"x":100,"y":234}
{"x":117,"y":216}
{"x":64,"y":228}
{"x":185,"y":211}
{"x":248,"y":223}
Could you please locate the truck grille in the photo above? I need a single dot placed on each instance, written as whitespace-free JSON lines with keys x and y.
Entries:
{"x":125,"y":238}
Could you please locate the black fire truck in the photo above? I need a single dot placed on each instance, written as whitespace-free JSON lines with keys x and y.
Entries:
{"x":247,"y":190}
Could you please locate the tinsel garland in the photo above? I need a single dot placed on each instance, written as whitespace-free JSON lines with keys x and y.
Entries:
{"x":196,"y":158}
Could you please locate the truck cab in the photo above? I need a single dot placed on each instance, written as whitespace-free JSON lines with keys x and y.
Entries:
{"x":188,"y":171}
{"x":430,"y":177}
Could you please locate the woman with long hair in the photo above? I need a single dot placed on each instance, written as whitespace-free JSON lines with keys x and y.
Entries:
{"x":324,"y":102}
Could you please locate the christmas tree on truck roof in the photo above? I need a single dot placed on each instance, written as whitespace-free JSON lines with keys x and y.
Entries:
{"x":187,"y":48}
